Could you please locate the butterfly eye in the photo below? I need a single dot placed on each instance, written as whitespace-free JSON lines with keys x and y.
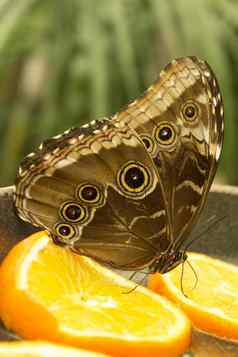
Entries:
{"x":165,"y":134}
{"x":190,"y":111}
{"x":73,"y":212}
{"x":89,"y":193}
{"x":65,"y":232}
{"x":148,"y":142}
{"x":134,"y":178}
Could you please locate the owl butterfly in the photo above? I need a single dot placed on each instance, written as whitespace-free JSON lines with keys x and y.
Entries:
{"x":127,"y":190}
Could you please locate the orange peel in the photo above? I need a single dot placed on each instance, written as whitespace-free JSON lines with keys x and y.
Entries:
{"x":42,"y":349}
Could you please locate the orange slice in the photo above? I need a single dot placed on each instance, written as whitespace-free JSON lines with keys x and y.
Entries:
{"x":42,"y":349}
{"x":49,"y":293}
{"x":212,"y":303}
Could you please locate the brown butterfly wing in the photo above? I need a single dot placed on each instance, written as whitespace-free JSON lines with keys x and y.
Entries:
{"x":78,"y":187}
{"x":186,"y":102}
{"x":120,"y":228}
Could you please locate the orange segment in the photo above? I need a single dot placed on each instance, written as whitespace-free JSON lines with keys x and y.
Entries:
{"x":212,"y":305}
{"x":49,"y":293}
{"x":42,"y":349}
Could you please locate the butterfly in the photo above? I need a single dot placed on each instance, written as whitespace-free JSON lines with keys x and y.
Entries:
{"x":126,"y":191}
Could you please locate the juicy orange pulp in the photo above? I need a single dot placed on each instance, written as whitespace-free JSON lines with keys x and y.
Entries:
{"x":42,"y":349}
{"x":212,"y":302}
{"x":49,"y":293}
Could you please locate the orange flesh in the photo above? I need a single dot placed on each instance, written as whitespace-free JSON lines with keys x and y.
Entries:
{"x":50,"y":293}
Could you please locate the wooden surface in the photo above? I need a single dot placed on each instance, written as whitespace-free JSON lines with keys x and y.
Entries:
{"x":219,"y":240}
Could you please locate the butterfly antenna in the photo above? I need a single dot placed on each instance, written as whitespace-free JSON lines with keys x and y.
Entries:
{"x":186,"y":248}
{"x":208,"y":229}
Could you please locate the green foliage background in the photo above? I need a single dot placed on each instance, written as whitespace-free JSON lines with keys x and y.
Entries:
{"x":65,"y":62}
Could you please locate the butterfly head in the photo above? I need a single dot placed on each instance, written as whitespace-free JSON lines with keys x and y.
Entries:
{"x":168,"y":261}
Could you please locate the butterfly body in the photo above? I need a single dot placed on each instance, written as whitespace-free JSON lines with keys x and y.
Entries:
{"x":127,"y":191}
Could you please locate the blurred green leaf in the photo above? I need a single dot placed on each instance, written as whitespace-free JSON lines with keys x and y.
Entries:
{"x":64,"y":63}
